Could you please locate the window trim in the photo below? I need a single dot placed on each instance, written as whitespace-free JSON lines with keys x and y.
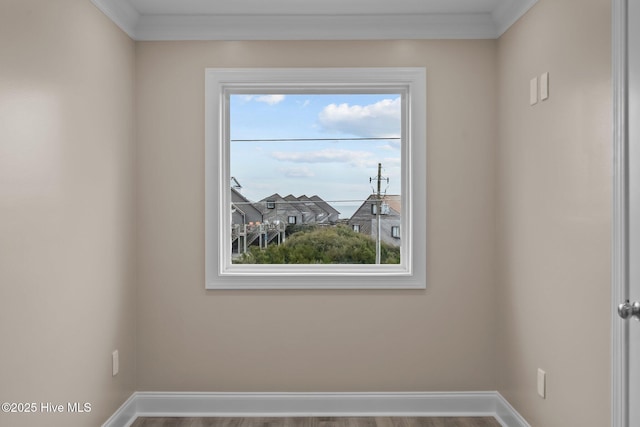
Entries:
{"x":220,"y":273}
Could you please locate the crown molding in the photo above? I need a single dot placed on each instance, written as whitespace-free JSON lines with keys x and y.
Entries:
{"x":315,"y":27}
{"x":122,"y":13}
{"x":508,"y":12}
{"x":149,"y":27}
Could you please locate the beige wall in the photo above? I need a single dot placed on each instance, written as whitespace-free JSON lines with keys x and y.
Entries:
{"x":434,"y":340}
{"x":554,"y":186}
{"x":67,"y":262}
{"x":518,"y":222}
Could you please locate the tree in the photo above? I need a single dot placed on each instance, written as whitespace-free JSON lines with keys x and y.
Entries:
{"x":323,"y":245}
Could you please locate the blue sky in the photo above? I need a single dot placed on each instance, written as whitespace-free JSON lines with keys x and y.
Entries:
{"x":336,"y":170}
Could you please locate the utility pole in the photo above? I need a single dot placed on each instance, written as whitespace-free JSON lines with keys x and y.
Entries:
{"x":379,"y":180}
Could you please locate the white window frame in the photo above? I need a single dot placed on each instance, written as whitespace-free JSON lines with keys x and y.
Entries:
{"x":220,"y":273}
{"x":356,"y":228}
{"x":395,"y":231}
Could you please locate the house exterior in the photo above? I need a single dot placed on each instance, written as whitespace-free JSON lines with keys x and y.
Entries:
{"x":333,"y":214}
{"x":246,"y":220}
{"x":263,"y":222}
{"x":278,"y":208}
{"x":297,"y":210}
{"x":364,"y":219}
{"x":308,"y":215}
{"x":242,"y":210}
{"x":321,"y":215}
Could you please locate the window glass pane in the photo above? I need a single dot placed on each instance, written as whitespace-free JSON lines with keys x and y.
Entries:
{"x":319,"y":162}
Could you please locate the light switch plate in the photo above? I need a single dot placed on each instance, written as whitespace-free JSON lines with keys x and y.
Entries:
{"x":542,"y":383}
{"x":115,"y":363}
{"x":533,"y":91}
{"x":544,"y":86}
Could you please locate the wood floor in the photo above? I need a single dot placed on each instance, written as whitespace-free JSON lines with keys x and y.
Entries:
{"x":319,"y":422}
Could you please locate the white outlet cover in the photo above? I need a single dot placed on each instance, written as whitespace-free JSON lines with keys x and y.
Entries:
{"x":542,"y":383}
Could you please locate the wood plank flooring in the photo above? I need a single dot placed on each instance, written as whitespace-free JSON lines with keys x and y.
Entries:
{"x":320,"y":422}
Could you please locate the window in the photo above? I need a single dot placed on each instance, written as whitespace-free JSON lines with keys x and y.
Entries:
{"x":356,"y":228}
{"x":384,"y":208}
{"x":291,"y":219}
{"x":271,"y":204}
{"x":395,"y":231}
{"x":272,"y":84}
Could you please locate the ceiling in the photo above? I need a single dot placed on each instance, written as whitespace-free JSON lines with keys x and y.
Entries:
{"x":313,"y":19}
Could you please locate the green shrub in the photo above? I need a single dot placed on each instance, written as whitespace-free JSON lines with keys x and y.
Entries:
{"x":322,"y":245}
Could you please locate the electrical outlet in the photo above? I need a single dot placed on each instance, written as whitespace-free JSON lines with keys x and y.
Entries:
{"x":542,"y":383}
{"x":115,"y":363}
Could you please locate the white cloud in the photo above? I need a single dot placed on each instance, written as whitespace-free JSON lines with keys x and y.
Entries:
{"x":392,"y":162}
{"x":299,"y":172}
{"x":304,"y":104}
{"x":390,"y":146}
{"x":267,"y":99}
{"x":379,"y":120}
{"x":354,"y":158}
{"x":270,"y":99}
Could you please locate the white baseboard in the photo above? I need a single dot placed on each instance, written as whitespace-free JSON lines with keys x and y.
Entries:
{"x":507,"y":415}
{"x":159,"y":404}
{"x":125,"y":415}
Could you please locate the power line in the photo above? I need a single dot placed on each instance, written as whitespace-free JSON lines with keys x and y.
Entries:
{"x":313,"y":139}
{"x":288,"y":202}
